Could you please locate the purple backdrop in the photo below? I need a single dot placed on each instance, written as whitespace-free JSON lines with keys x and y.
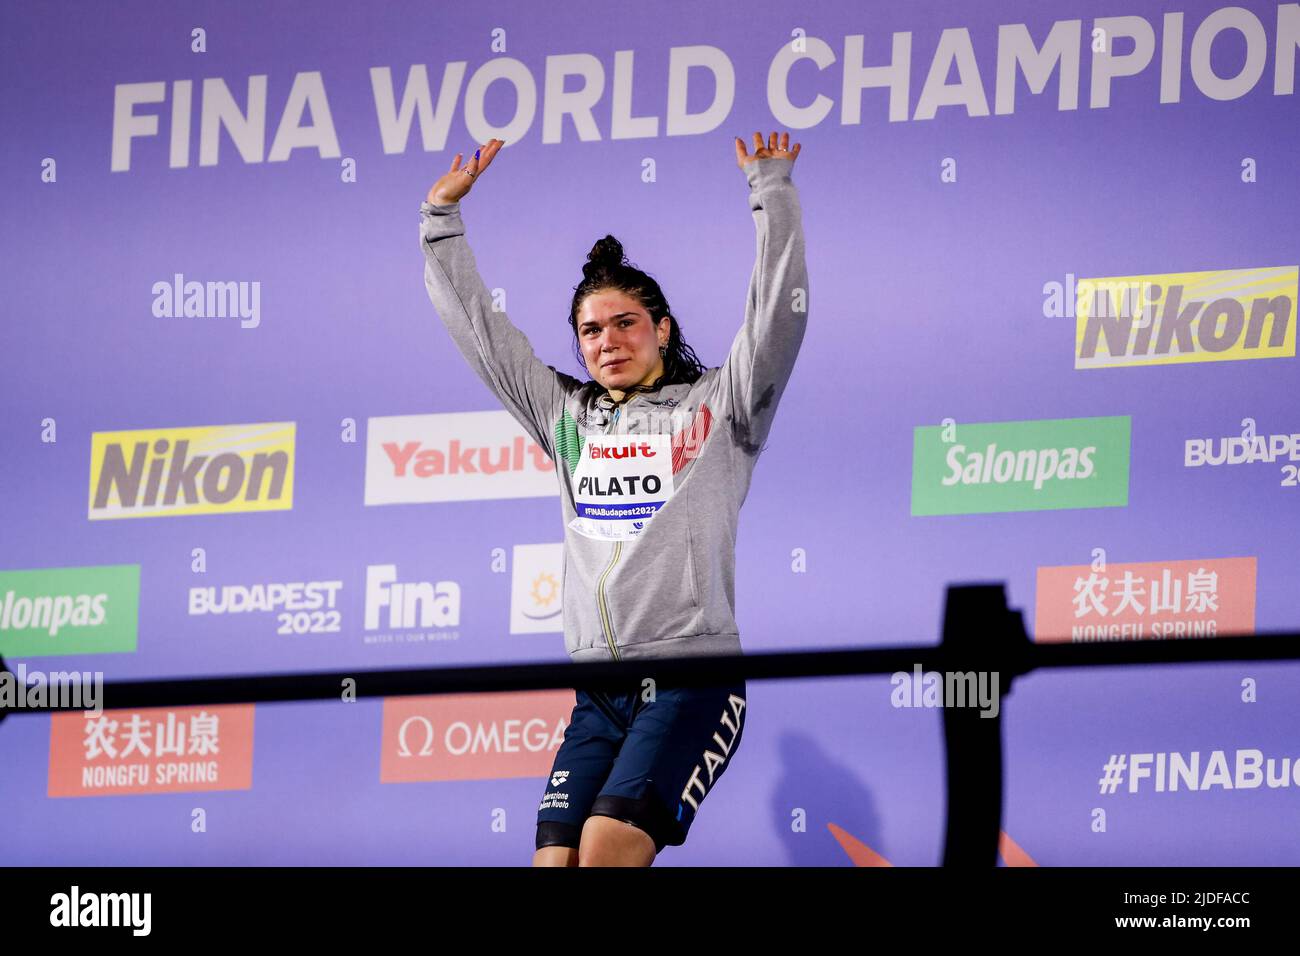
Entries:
{"x":926,"y":303}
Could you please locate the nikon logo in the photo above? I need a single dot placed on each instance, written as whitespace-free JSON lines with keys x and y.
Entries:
{"x":212,"y":469}
{"x":1186,"y":317}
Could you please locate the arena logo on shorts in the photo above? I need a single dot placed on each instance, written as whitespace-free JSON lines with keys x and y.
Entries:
{"x":554,"y":799}
{"x":711,"y":761}
{"x":620,"y":483}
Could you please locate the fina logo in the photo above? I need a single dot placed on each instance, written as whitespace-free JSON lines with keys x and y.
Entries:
{"x":409,"y":604}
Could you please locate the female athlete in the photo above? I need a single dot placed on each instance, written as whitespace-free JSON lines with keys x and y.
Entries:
{"x":654,"y":456}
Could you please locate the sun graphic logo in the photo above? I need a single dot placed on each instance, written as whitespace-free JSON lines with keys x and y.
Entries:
{"x":545,"y":589}
{"x":537,"y":589}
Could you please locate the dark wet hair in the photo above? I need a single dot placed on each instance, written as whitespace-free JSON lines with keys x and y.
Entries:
{"x":608,"y":268}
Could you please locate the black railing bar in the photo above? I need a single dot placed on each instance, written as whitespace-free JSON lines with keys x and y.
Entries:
{"x":685,"y":671}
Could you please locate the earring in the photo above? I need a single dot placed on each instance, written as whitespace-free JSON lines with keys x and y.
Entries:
{"x":663,"y":351}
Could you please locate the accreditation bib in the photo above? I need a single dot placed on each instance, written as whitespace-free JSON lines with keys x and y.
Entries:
{"x":620,"y":483}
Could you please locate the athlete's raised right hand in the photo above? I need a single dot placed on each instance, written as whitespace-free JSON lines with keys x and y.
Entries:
{"x":460,"y":179}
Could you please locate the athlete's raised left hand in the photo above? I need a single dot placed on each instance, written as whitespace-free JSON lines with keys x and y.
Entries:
{"x":776,"y":148}
{"x":458,"y":180}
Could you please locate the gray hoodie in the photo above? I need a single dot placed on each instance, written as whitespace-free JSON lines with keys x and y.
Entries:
{"x":650,"y":490}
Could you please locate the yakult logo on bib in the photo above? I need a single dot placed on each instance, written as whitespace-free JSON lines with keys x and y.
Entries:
{"x":620,"y":483}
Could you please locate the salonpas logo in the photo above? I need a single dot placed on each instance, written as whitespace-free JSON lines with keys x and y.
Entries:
{"x":1020,"y":466}
{"x":53,"y":611}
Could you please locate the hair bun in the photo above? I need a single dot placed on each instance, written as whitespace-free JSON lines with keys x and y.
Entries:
{"x":606,"y":253}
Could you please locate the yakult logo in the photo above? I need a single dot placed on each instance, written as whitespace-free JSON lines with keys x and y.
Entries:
{"x":466,"y":456}
{"x":642,"y":450}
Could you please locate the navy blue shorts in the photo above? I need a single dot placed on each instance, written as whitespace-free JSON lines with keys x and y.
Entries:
{"x":649,"y":763}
